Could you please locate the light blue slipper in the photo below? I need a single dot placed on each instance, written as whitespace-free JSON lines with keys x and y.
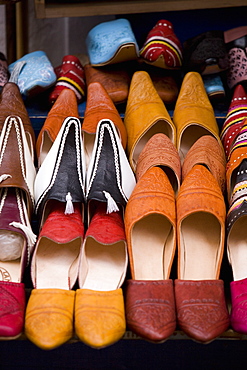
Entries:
{"x":111,"y":42}
{"x":33,"y":73}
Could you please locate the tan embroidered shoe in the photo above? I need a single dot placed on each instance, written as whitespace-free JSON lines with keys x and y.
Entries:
{"x":160,"y":152}
{"x":150,"y":225}
{"x":99,"y":317}
{"x":207,"y":151}
{"x":199,"y":294}
{"x":145,"y":116}
{"x":193,"y":114}
{"x":49,"y":317}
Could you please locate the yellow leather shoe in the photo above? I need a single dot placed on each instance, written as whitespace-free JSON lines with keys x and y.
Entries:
{"x":193,"y":114}
{"x":145,"y":116}
{"x":99,"y":317}
{"x":49,"y":317}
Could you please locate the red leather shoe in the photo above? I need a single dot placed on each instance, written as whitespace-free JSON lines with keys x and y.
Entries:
{"x":236,"y":114}
{"x":70,"y":75}
{"x":162,"y":47}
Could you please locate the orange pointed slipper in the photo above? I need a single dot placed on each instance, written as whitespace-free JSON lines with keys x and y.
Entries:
{"x":207,"y":151}
{"x":145,"y":116}
{"x":193,"y":114}
{"x":65,"y":106}
{"x":150,"y":225}
{"x":160,"y":152}
{"x":99,"y":106}
{"x":201,"y":213}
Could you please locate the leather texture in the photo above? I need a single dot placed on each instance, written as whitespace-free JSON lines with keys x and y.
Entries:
{"x":56,"y":179}
{"x":236,"y":156}
{"x":16,"y":165}
{"x":49,"y":317}
{"x":36,"y":75}
{"x":64,"y":106}
{"x":160,"y":152}
{"x":166,"y":85}
{"x":193,"y":114}
{"x":99,"y":317}
{"x":153,"y":195}
{"x":111,"y":42}
{"x":238,"y":315}
{"x":145,"y":116}
{"x":11,"y":103}
{"x":201,"y":308}
{"x":150,"y":309}
{"x":237,"y":113}
{"x":109,"y":172}
{"x":115,"y":79}
{"x":200,"y":193}
{"x":207,"y":151}
{"x":13,"y":303}
{"x":100,"y":106}
{"x":162,"y":47}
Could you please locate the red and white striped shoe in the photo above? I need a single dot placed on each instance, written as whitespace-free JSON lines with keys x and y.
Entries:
{"x":162,"y":48}
{"x":70,"y":75}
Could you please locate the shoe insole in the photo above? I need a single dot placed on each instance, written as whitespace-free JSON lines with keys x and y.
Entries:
{"x":11,"y":246}
{"x":200,"y":237}
{"x":190,"y":135}
{"x":237,"y":249}
{"x":161,"y":126}
{"x":152,"y":248}
{"x":124,"y":53}
{"x":88,"y":146}
{"x":106,"y":265}
{"x":56,"y":263}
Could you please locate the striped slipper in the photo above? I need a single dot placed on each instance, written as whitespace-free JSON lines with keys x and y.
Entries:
{"x":236,"y":114}
{"x":162,"y":47}
{"x":70,"y":75}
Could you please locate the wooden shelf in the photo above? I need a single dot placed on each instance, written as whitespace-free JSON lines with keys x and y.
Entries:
{"x":85,"y":8}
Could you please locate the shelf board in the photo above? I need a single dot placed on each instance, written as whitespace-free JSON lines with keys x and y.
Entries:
{"x":58,"y":9}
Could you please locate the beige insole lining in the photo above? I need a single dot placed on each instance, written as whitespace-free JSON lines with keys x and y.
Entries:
{"x":200,"y":236}
{"x":11,"y":244}
{"x":237,"y":249}
{"x":56,"y":264}
{"x":104,"y":266}
{"x":152,"y":248}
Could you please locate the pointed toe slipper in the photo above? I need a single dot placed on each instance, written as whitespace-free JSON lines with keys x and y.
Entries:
{"x":208,"y":152}
{"x":65,"y":106}
{"x":99,"y":308}
{"x":111,"y":42}
{"x":12,"y":104}
{"x":150,"y":225}
{"x":160,"y":152}
{"x":198,"y":290}
{"x":162,"y":48}
{"x":49,"y":317}
{"x":145,"y":116}
{"x":237,"y":113}
{"x":99,"y":106}
{"x":99,"y":317}
{"x":193,"y":114}
{"x":110,"y":178}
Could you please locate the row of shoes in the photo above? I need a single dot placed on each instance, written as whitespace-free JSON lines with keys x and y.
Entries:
{"x":109,"y":195}
{"x":113,"y":55}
